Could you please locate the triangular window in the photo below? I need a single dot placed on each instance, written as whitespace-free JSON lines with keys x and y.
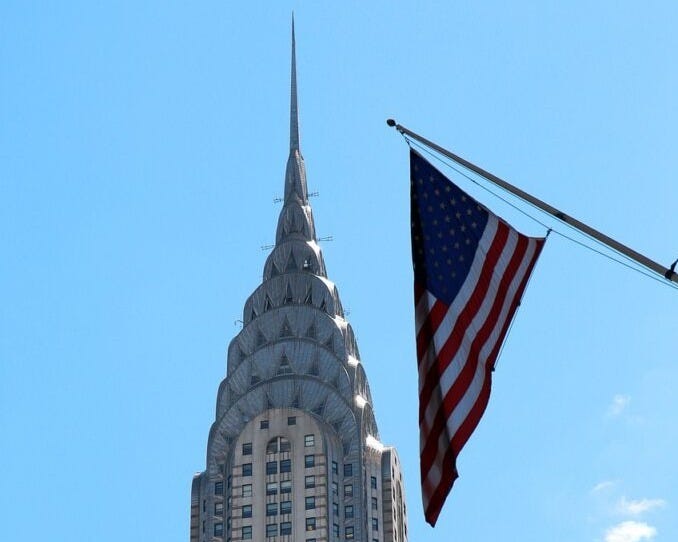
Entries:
{"x":286,"y":330}
{"x":284,"y":367}
{"x":289,"y":298}
{"x":291,"y":264}
{"x":295,"y":401}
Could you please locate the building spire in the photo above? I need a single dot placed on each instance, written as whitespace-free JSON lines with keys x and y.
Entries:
{"x":294,"y":112}
{"x":295,"y":175}
{"x":296,"y":218}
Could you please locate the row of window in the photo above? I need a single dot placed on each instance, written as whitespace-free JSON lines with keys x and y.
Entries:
{"x":279,"y":444}
{"x":348,"y":489}
{"x":285,"y":527}
{"x":285,"y":466}
{"x":286,"y":485}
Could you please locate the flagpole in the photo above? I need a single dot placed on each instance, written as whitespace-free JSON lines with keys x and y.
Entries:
{"x":665,"y":272}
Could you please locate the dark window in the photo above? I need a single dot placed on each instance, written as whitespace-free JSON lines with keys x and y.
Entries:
{"x":286,"y":528}
{"x":272,"y":509}
{"x":228,"y":481}
{"x":247,"y":490}
{"x":218,"y":488}
{"x":286,"y":465}
{"x":310,"y":503}
{"x":335,"y":488}
{"x":348,"y":490}
{"x":309,"y":482}
{"x":373,"y":482}
{"x":335,"y":530}
{"x":271,"y":467}
{"x":291,"y":420}
{"x":247,"y":532}
{"x":247,"y":469}
{"x":271,"y":488}
{"x":272,"y":446}
{"x":335,"y":467}
{"x":348,"y":512}
{"x":375,"y":524}
{"x":286,"y":507}
{"x":309,"y":440}
{"x":263,"y":424}
{"x":310,"y":524}
{"x":247,"y":511}
{"x":218,"y":508}
{"x":204,"y":503}
{"x":349,"y":533}
{"x":286,"y":486}
{"x":348,"y":469}
{"x":309,"y":461}
{"x":247,"y":448}
{"x":374,"y":503}
{"x":218,"y":529}
{"x":272,"y":530}
{"x":284,"y":445}
{"x":335,"y":508}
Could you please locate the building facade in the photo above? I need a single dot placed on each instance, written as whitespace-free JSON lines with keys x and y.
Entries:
{"x":294,"y":452}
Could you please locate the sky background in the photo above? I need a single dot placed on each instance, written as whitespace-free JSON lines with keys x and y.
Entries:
{"x":141,"y":147}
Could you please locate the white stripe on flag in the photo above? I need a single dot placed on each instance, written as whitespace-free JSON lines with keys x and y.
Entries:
{"x":449,"y":321}
{"x":452,"y":371}
{"x":460,"y":413}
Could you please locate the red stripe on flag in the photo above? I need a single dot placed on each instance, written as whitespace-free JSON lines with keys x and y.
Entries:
{"x":471,"y":421}
{"x":459,"y":388}
{"x":467,"y":427}
{"x":457,"y":391}
{"x":437,"y":498}
{"x":429,"y":328}
{"x":539,"y":244}
{"x":452,"y":344}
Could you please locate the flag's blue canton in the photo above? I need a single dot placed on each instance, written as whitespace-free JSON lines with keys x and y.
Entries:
{"x":447,"y":225}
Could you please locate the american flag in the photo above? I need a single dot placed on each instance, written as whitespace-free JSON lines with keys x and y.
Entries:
{"x":470,"y":270}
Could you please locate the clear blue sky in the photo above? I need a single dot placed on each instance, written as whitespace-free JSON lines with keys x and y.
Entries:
{"x":141,"y":147}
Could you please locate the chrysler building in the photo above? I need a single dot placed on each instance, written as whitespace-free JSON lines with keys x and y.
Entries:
{"x":294,"y":453}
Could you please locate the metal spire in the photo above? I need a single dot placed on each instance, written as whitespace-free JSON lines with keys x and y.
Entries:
{"x":295,"y":176}
{"x":294,"y":112}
